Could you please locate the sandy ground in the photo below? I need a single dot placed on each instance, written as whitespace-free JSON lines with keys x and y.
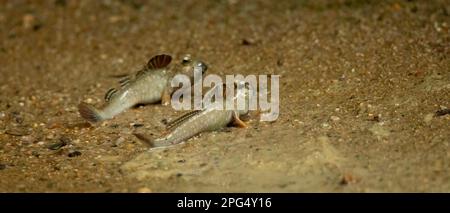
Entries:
{"x":364,"y":90}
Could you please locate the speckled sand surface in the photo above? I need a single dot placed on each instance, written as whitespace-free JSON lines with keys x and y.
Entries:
{"x":361,"y":82}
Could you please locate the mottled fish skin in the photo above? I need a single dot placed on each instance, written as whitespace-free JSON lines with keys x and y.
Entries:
{"x":208,"y":119}
{"x":144,"y":87}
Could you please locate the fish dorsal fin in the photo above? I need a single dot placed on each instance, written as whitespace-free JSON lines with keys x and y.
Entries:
{"x":159,"y":61}
{"x":109,"y":94}
{"x":141,"y":72}
{"x":124,"y":81}
{"x":178,"y":121}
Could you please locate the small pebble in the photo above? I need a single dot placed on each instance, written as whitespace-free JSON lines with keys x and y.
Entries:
{"x":335,"y":118}
{"x":17,"y":131}
{"x":28,"y":21}
{"x":428,"y":117}
{"x":375,"y":118}
{"x":65,"y":140}
{"x":120,"y":61}
{"x":28,"y":139}
{"x":35,"y":153}
{"x":280,"y":62}
{"x":114,"y":19}
{"x":89,"y":100}
{"x":135,"y":125}
{"x":348,"y":179}
{"x":247,"y":42}
{"x":74,"y":154}
{"x":50,"y":136}
{"x":325,"y":125}
{"x":119,"y":141}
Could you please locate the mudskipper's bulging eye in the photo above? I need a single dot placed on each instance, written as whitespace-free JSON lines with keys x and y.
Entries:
{"x":186,"y":60}
{"x":203,"y":66}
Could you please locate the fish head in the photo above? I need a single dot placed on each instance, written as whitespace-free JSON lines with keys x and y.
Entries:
{"x":193,"y":67}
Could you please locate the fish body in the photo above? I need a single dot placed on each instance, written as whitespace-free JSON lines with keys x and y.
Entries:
{"x":206,"y":120}
{"x":144,"y":87}
{"x":193,"y":123}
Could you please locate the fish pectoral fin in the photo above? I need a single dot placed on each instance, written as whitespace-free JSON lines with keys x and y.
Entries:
{"x":238,"y":122}
{"x":159,"y":61}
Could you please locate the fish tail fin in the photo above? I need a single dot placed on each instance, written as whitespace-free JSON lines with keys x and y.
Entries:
{"x":89,"y":112}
